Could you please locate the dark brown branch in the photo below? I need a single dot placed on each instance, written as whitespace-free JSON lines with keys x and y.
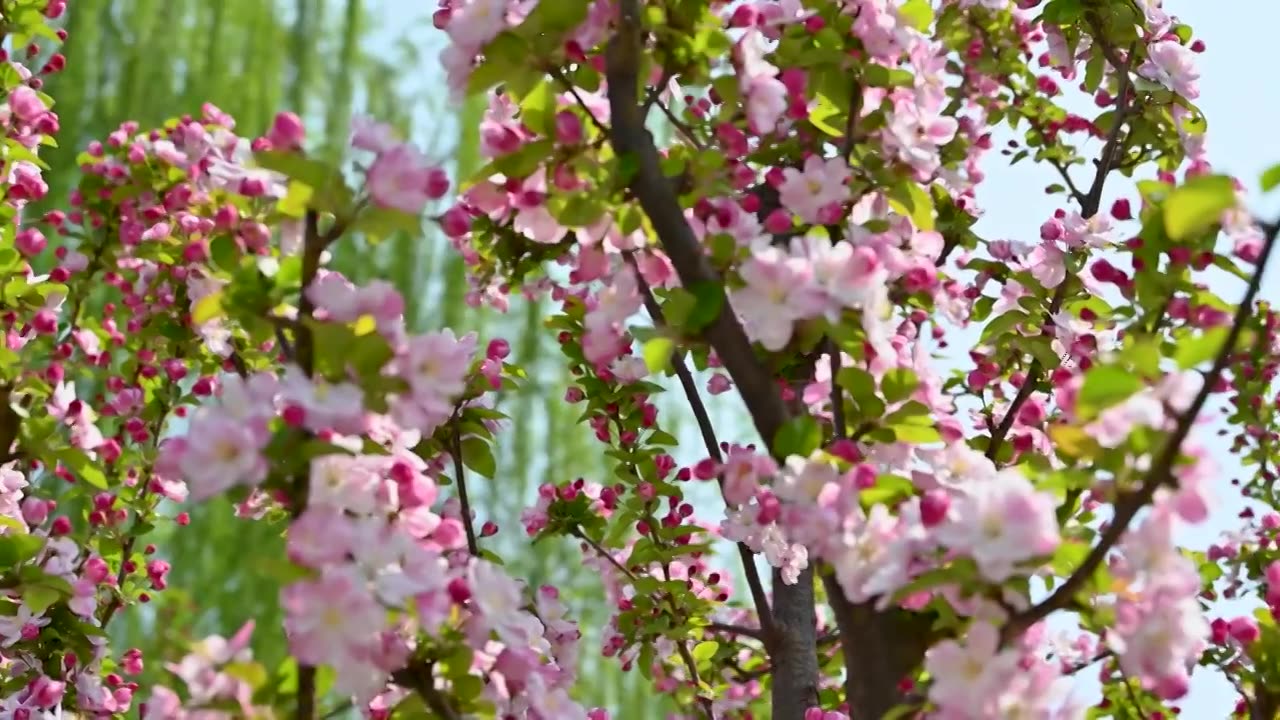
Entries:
{"x":840,"y":429}
{"x":703,"y":418}
{"x":1089,"y":205}
{"x":735,"y":630}
{"x":794,"y":654}
{"x":313,"y":247}
{"x":1161,"y":470}
{"x":460,"y":473}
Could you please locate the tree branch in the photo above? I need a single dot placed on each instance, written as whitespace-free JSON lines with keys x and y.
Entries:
{"x":1161,"y":470}
{"x":419,"y":676}
{"x":313,"y":248}
{"x":460,"y":472}
{"x":795,"y":654}
{"x":703,"y":418}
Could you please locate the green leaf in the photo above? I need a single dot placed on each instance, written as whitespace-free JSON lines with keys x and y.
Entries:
{"x":576,"y":211}
{"x":40,"y":597}
{"x":661,"y":437}
{"x":1193,"y":351}
{"x":1271,"y":178}
{"x":859,"y":383}
{"x":888,"y":490}
{"x":523,"y":162}
{"x":916,"y":434}
{"x":538,"y":108}
{"x":1197,"y":205}
{"x":709,"y":297}
{"x":224,"y":253}
{"x":910,"y":199}
{"x":678,"y":306}
{"x":379,"y":223}
{"x":823,"y":112}
{"x":478,"y":457}
{"x":296,"y":199}
{"x":1068,"y":557}
{"x":296,"y":166}
{"x":17,"y":549}
{"x":208,"y":308}
{"x":657,"y":354}
{"x":898,"y":384}
{"x":798,"y":436}
{"x":250,"y":672}
{"x":82,"y":467}
{"x":917,"y":13}
{"x":705,"y":650}
{"x":1104,"y":386}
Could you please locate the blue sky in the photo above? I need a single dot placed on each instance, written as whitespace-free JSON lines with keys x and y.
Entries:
{"x":1243,"y":114}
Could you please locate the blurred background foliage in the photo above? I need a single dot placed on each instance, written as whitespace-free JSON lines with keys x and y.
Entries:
{"x":151,"y":60}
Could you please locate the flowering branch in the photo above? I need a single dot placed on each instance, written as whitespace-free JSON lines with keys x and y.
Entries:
{"x":1089,"y":205}
{"x":1161,"y":470}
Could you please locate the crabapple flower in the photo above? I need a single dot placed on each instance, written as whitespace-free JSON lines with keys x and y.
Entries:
{"x":1172,"y":64}
{"x":1002,"y":522}
{"x":401,"y":179}
{"x":473,"y":23}
{"x":821,"y":184}
{"x":967,"y":676}
{"x":778,"y":292}
{"x":332,"y":620}
{"x":916,"y":134}
{"x":220,"y":452}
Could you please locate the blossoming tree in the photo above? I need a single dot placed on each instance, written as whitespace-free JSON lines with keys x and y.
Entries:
{"x":805,"y":238}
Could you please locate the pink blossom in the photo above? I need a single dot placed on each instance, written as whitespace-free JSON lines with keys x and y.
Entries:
{"x":26,"y":104}
{"x":967,"y":676}
{"x":1002,"y":522}
{"x":401,"y":179}
{"x":324,"y":405}
{"x":917,"y":134}
{"x":320,"y":536}
{"x":778,"y":292}
{"x":287,"y":132}
{"x":221,"y":453}
{"x":371,"y":135}
{"x":1172,"y":64}
{"x":819,"y":185}
{"x":474,"y":23}
{"x":332,"y":620}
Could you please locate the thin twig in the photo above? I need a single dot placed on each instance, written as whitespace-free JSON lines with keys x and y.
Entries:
{"x":602,"y":552}
{"x":473,"y":545}
{"x":707,"y":430}
{"x":703,"y":701}
{"x":734,"y":630}
{"x":681,"y":125}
